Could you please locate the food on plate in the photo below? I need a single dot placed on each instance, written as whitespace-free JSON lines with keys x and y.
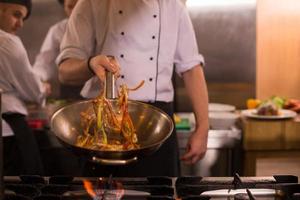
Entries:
{"x":279,"y":101}
{"x":268,"y":108}
{"x":253,"y":103}
{"x":292,"y":104}
{"x":271,"y":106}
{"x":107,"y":127}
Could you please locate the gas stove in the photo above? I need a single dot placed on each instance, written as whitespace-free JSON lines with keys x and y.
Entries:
{"x":163,"y":188}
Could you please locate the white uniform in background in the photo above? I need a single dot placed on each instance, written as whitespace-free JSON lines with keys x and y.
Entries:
{"x":45,"y":65}
{"x":18,"y":81}
{"x":45,"y":61}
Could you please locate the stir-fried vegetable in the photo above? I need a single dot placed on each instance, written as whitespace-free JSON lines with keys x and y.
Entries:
{"x":103,"y":120}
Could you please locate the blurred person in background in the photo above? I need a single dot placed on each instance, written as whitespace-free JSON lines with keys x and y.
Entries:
{"x":45,"y":64}
{"x":147,"y":38}
{"x":20,"y":85}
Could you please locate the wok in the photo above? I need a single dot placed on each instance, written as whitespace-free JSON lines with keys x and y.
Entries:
{"x":152,"y":125}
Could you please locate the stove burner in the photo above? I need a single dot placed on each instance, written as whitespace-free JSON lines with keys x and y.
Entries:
{"x":32,"y":179}
{"x":241,"y":196}
{"x":251,"y":197}
{"x":276,"y":187}
{"x":65,"y":188}
{"x":237,"y":182}
{"x":152,"y":188}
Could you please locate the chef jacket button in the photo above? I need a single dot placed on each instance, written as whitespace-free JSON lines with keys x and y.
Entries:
{"x":154,"y":16}
{"x":150,"y":79}
{"x":122,"y":56}
{"x":153,"y":37}
{"x":122,"y":33}
{"x":122,"y":76}
{"x":151,"y":58}
{"x":120,"y":12}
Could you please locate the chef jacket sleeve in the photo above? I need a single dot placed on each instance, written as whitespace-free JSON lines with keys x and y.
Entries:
{"x":45,"y":65}
{"x":79,"y":38}
{"x":19,"y":72}
{"x":186,"y":54}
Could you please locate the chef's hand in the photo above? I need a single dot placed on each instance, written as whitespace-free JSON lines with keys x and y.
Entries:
{"x":47,"y":88}
{"x":196,"y":147}
{"x":98,"y":64}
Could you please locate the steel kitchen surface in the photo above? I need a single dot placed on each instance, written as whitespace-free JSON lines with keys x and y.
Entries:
{"x":183,"y":188}
{"x":223,"y":156}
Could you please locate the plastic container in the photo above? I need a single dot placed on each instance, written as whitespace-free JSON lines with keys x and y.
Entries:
{"x":222,"y":120}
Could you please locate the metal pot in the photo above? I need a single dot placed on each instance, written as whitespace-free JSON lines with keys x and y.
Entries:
{"x":153,"y":127}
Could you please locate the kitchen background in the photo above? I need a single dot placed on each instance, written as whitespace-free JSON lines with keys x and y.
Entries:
{"x":225,"y":34}
{"x":251,"y":48}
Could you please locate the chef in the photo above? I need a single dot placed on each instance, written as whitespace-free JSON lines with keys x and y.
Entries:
{"x":45,"y":64}
{"x":147,"y":38}
{"x":19,"y":85}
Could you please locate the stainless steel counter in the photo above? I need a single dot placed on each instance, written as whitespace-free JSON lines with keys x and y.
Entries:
{"x":223,"y":152}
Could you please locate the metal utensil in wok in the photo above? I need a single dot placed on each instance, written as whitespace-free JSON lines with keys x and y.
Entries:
{"x":153,"y":127}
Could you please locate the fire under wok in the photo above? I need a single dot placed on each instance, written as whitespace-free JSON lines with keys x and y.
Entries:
{"x":152,"y":126}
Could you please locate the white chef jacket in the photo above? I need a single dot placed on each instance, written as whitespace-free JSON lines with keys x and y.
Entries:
{"x":147,"y":37}
{"x":45,"y":64}
{"x":18,"y":81}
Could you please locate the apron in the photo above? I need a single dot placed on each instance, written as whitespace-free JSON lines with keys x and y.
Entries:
{"x":26,"y":145}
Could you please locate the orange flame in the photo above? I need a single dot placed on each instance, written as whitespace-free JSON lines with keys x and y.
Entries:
{"x":100,"y":193}
{"x":89,"y":188}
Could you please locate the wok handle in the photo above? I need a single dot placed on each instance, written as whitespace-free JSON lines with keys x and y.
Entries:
{"x":114,"y":161}
{"x":110,"y":85}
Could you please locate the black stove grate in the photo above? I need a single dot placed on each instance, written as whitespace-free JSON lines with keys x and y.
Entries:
{"x":150,"y":188}
{"x":193,"y":188}
{"x":67,"y":188}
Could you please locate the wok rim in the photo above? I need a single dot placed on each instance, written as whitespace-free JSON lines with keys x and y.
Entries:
{"x":111,"y":152}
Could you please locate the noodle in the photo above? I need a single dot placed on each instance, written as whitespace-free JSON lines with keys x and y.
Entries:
{"x":103,"y":121}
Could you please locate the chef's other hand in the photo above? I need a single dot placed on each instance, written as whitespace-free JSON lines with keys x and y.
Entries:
{"x":196,"y":148}
{"x":98,"y":64}
{"x":47,"y":88}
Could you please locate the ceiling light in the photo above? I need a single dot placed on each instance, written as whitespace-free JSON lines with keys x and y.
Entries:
{"x":203,"y":3}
